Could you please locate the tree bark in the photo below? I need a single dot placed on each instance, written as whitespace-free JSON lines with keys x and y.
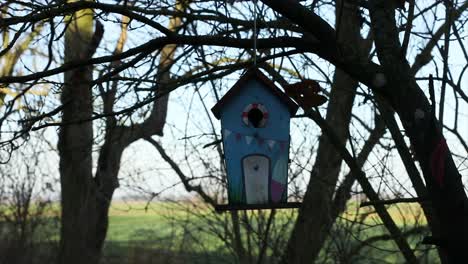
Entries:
{"x":395,"y":82}
{"x":86,"y":199}
{"x":443,"y":180}
{"x":118,"y":137}
{"x":78,"y":200}
{"x":315,"y":217}
{"x":411,"y":169}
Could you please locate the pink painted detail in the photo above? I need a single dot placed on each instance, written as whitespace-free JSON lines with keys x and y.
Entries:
{"x":238,"y":137}
{"x":277,"y":190}
{"x":282,"y":145}
{"x":438,"y":161}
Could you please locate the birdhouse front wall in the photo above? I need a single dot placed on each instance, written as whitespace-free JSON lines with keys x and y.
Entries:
{"x":256,"y":157}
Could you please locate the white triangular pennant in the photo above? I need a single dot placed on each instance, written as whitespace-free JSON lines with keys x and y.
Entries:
{"x":227,"y":132}
{"x":271,"y":143}
{"x":248,"y":139}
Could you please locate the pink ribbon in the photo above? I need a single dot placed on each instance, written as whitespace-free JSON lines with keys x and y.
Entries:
{"x":438,"y":161}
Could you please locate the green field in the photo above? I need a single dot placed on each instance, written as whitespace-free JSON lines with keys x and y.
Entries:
{"x":158,"y":233}
{"x":175,"y":233}
{"x":189,"y":232}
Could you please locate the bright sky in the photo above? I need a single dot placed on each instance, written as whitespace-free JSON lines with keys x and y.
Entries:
{"x":141,"y":160}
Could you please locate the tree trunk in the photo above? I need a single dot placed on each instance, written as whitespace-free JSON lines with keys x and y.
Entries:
{"x":78,"y":200}
{"x":315,"y":217}
{"x":97,"y":192}
{"x":443,"y":180}
{"x":395,"y":82}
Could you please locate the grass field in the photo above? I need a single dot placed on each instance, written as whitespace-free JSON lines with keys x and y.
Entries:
{"x":168,"y":233}
{"x":188,"y":232}
{"x":156,"y":233}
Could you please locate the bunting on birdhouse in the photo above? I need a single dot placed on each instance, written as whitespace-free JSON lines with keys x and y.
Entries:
{"x":248,"y":139}
{"x":269,"y":143}
{"x":227,"y":133}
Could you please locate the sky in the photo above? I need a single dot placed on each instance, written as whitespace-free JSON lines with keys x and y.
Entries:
{"x":141,"y":162}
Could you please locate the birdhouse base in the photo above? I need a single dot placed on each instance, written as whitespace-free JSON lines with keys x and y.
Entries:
{"x":235,"y":207}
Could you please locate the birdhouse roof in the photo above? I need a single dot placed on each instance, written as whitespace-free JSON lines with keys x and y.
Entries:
{"x":240,"y":84}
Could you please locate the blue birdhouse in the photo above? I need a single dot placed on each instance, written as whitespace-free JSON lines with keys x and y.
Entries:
{"x":255,"y":116}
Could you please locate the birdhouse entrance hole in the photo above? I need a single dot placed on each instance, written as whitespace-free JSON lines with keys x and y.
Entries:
{"x":255,"y":117}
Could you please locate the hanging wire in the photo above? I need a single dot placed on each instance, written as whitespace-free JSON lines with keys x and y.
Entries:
{"x":255,"y":33}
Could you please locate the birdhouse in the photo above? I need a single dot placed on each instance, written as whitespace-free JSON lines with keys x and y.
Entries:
{"x":255,"y":116}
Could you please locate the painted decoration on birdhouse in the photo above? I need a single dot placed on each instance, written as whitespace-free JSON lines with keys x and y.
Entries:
{"x":255,"y":117}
